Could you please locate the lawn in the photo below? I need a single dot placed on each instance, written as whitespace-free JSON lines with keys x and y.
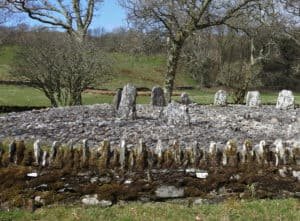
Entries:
{"x":26,"y":96}
{"x":288,"y":209}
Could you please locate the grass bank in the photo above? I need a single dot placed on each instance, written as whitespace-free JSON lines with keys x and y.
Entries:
{"x":288,"y":209}
{"x":27,"y":96}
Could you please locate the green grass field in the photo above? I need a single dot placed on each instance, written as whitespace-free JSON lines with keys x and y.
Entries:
{"x":142,"y":71}
{"x":26,"y":96}
{"x":231,"y":210}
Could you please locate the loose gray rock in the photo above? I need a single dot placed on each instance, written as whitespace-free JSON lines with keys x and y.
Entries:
{"x":158,"y":97}
{"x":117,"y":99}
{"x":185,"y":99}
{"x":177,"y":114}
{"x":220,"y":98}
{"x":127,"y":107}
{"x":253,"y":99}
{"x":90,"y":200}
{"x":286,"y":100}
{"x":169,"y":192}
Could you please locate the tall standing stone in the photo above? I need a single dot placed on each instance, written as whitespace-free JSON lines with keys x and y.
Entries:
{"x":221,"y":98}
{"x":253,"y":99}
{"x":158,"y":97}
{"x":185,"y":99}
{"x":127,"y":107}
{"x":117,"y":99}
{"x":286,"y":100}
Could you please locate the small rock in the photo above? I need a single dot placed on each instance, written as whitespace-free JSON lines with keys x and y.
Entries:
{"x":33,"y":175}
{"x":169,"y":192}
{"x":105,"y":203}
{"x":90,"y":200}
{"x":94,"y":179}
{"x":202,"y":175}
{"x":296,"y":174}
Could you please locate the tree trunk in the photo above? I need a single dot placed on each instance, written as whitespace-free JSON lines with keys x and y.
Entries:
{"x":174,"y":49}
{"x":75,"y":98}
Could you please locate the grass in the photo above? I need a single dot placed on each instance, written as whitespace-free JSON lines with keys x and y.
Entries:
{"x":288,"y":209}
{"x":26,"y":96}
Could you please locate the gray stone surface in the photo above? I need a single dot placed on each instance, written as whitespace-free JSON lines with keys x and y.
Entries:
{"x":285,"y":100}
{"x":169,"y":192}
{"x":127,"y":107}
{"x":185,"y":99}
{"x":176,"y":114}
{"x":98,"y":122}
{"x":221,"y":98}
{"x":253,"y":99}
{"x":158,"y":97}
{"x":90,"y":200}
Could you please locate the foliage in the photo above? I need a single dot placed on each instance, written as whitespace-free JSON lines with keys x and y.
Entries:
{"x":239,"y":77}
{"x":61,"y":67}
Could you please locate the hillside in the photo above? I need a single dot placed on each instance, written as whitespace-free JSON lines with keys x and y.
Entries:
{"x":141,"y":70}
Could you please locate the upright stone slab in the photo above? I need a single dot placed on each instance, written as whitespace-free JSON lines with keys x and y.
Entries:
{"x":123,"y":154}
{"x":221,"y":98}
{"x":185,"y":99}
{"x":37,"y":152}
{"x":117,"y":99}
{"x":253,"y":99}
{"x":286,"y":100}
{"x":176,"y":114}
{"x":127,"y":107}
{"x":12,"y":151}
{"x":53,"y":151}
{"x":158,"y":97}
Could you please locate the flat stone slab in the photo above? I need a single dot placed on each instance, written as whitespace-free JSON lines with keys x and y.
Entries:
{"x":169,"y":192}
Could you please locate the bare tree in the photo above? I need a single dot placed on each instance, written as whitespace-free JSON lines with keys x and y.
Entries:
{"x":73,"y":16}
{"x":180,"y":18}
{"x":60,"y":66}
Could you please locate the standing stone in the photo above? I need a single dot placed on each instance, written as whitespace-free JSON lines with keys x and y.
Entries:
{"x":184,"y":99}
{"x":123,"y":154}
{"x":105,"y":155}
{"x":44,"y":158}
{"x":117,"y":99}
{"x":286,"y":100}
{"x":20,"y":149}
{"x":37,"y":151}
{"x":177,"y":114}
{"x":253,"y":99}
{"x":85,"y":151}
{"x":53,"y":151}
{"x":12,"y":151}
{"x":158,"y":97}
{"x":1,"y":153}
{"x":141,"y":155}
{"x":221,"y":98}
{"x":127,"y":107}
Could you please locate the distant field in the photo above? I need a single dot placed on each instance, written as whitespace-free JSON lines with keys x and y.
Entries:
{"x":141,"y":70}
{"x":26,"y":96}
{"x":231,"y":210}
